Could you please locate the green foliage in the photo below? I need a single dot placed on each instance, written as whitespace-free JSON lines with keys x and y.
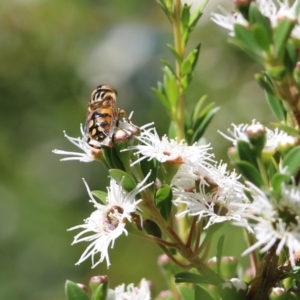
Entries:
{"x":124,"y":179}
{"x":163,"y":200}
{"x":74,"y":292}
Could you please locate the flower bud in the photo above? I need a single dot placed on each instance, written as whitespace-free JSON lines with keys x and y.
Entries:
{"x":233,"y":154}
{"x":99,"y":286}
{"x":228,"y":266}
{"x":256,"y":134}
{"x":277,"y":293}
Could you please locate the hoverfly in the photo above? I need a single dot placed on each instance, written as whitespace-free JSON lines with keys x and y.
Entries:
{"x":102,"y":116}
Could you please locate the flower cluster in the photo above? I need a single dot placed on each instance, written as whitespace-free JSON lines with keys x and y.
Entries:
{"x":274,"y":12}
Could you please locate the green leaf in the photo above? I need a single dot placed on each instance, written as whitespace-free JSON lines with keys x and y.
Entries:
{"x":276,"y":107}
{"x":163,"y":99}
{"x":100,"y":195}
{"x":262,"y":37}
{"x":101,"y":292}
{"x":122,"y":178}
{"x":220,"y":246}
{"x":289,"y":130}
{"x":196,"y":15}
{"x":107,"y":155}
{"x":175,"y":53}
{"x":246,"y":41}
{"x":191,"y":278}
{"x":277,"y":180}
{"x":165,"y":9}
{"x":265,"y":82}
{"x":257,"y":18}
{"x":149,"y":166}
{"x":292,"y":160}
{"x":246,"y":153}
{"x":249,"y":172}
{"x":201,"y":293}
{"x":166,"y":63}
{"x":190,"y":62}
{"x":186,"y":292}
{"x":185,"y":16}
{"x":163,"y":200}
{"x":281,"y":35}
{"x":152,"y":228}
{"x":170,"y":86}
{"x":203,"y":124}
{"x":198,"y":108}
{"x":74,"y":292}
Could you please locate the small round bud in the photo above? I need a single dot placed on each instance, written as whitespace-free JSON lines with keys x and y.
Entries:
{"x":277,"y":293}
{"x":99,"y":282}
{"x":256,"y":134}
{"x":233,"y":154}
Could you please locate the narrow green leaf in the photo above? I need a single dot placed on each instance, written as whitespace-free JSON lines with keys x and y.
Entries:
{"x":163,"y":200}
{"x":101,"y":292}
{"x":152,"y":228}
{"x":74,"y":292}
{"x":281,"y":34}
{"x":100,"y":195}
{"x":220,"y":246}
{"x":204,"y":124}
{"x":189,"y":63}
{"x":246,"y":153}
{"x":108,"y":156}
{"x":174,"y":52}
{"x":191,"y":278}
{"x":197,"y":110}
{"x":196,"y":15}
{"x":163,"y":99}
{"x":185,"y":16}
{"x":289,"y":130}
{"x":165,"y":9}
{"x":276,"y":106}
{"x":201,"y":293}
{"x":257,"y":18}
{"x":277,"y":180}
{"x":292,"y":160}
{"x":122,"y":178}
{"x":149,"y":166}
{"x":265,"y":82}
{"x":166,"y":63}
{"x":262,"y":37}
{"x":170,"y":86}
{"x":245,"y":40}
{"x":249,"y":172}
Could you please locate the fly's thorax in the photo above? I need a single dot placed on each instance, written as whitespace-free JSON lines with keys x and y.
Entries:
{"x":103,"y":93}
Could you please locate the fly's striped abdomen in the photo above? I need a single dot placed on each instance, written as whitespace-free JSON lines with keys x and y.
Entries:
{"x":102,"y":116}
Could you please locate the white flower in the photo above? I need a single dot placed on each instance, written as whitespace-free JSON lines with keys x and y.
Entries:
{"x":220,"y":198}
{"x":167,"y":150}
{"x":142,"y":292}
{"x":275,"y":221}
{"x":89,"y":153}
{"x":274,"y":12}
{"x":274,"y":138}
{"x":108,"y":221}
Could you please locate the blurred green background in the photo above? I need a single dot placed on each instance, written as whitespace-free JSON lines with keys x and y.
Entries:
{"x":53,"y":54}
